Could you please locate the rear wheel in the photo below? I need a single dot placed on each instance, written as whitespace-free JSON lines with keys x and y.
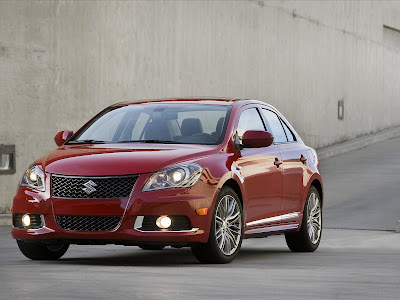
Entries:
{"x":40,"y":251}
{"x":307,"y":239}
{"x":226,"y":231}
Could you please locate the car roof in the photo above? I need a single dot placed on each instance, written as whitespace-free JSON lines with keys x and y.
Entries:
{"x":202,"y":100}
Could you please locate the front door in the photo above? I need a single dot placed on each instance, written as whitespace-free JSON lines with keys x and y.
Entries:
{"x":262,"y":175}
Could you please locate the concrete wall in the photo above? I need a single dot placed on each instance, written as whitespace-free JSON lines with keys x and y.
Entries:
{"x":62,"y":62}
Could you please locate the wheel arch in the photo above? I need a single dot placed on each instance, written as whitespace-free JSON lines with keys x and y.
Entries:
{"x":315,"y":181}
{"x":318,"y":185}
{"x":232,"y":183}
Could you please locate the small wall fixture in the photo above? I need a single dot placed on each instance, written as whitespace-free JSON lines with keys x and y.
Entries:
{"x":7,"y":159}
{"x":340,"y":109}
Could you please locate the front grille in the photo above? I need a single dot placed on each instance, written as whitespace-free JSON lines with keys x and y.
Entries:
{"x":92,"y":187}
{"x":36,"y":221}
{"x":88,"y":223}
{"x":178,"y":223}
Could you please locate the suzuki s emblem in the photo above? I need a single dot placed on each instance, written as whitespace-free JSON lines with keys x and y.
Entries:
{"x":89,"y":187}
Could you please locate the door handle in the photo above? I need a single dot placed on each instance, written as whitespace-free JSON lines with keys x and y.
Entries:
{"x":303,"y":159}
{"x":277,"y":162}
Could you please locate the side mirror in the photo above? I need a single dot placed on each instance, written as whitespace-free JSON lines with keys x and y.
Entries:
{"x":62,"y":137}
{"x":257,"y":139}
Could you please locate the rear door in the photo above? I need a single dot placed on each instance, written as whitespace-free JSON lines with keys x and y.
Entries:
{"x":262,"y":178}
{"x":293,"y":164}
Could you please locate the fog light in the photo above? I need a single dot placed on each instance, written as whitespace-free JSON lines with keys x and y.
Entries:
{"x":26,"y":220}
{"x":163,"y":222}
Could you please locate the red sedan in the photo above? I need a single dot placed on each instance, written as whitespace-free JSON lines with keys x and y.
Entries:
{"x":202,"y":173}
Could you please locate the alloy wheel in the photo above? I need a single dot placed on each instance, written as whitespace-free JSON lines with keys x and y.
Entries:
{"x":314,"y":218}
{"x":228,"y":225}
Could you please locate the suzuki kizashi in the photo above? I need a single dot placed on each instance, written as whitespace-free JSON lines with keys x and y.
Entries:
{"x":199,"y":173}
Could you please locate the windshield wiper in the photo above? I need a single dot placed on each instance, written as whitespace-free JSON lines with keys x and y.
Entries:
{"x":87,"y":142}
{"x":151,"y":141}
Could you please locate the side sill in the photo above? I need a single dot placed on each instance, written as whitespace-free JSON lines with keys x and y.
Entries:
{"x":271,"y":229}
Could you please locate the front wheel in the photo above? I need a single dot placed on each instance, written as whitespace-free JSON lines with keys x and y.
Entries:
{"x":39,"y":251}
{"x":226,"y":231}
{"x":309,"y":235}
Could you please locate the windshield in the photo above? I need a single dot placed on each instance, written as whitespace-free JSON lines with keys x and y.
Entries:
{"x":157,"y":123}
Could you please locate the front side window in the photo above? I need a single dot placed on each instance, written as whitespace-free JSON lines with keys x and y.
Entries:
{"x":249,"y":120}
{"x":275,"y":125}
{"x":157,"y":123}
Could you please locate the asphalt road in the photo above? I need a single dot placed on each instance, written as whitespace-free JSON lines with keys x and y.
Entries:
{"x":362,"y":188}
{"x":359,"y":256}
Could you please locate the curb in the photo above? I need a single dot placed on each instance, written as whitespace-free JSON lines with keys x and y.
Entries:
{"x":5,"y":220}
{"x":358,"y":143}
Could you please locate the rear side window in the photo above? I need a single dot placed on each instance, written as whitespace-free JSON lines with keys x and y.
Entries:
{"x":276,"y":127}
{"x":249,"y":120}
{"x":290,"y":136}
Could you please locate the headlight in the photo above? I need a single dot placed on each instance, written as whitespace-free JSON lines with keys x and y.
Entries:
{"x":182,"y":175}
{"x":33,"y":178}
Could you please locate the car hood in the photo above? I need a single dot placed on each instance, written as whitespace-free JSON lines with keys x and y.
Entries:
{"x":120,"y":159}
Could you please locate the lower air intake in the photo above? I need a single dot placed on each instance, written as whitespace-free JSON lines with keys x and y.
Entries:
{"x":88,"y":223}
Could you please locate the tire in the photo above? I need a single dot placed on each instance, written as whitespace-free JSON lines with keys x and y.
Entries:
{"x":226,"y":232}
{"x":307,"y":239}
{"x":151,"y":247}
{"x":40,"y":251}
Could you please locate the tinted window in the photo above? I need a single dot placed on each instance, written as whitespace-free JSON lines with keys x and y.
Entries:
{"x":275,"y":125}
{"x":290,"y":136}
{"x":158,"y":122}
{"x":249,"y":120}
{"x":141,"y":122}
{"x":209,"y":119}
{"x":107,"y":126}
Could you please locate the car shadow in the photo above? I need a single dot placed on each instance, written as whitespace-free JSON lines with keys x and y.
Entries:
{"x":167,"y":258}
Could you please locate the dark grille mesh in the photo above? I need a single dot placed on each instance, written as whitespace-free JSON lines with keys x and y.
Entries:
{"x":88,"y":223}
{"x":98,"y":187}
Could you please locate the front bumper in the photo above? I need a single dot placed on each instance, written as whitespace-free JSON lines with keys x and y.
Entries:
{"x":183,"y":201}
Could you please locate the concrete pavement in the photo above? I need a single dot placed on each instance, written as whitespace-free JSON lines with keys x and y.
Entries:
{"x":359,"y":256}
{"x":362,"y":188}
{"x":348,"y":265}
